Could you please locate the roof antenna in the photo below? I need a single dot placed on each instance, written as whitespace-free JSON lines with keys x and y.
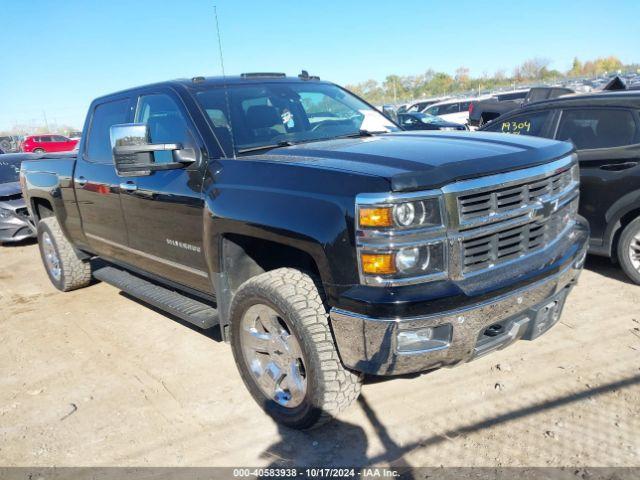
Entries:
{"x":224,"y":80}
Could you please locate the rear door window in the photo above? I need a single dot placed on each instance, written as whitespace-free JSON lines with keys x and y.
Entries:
{"x":598,"y":128}
{"x":105,"y":116}
{"x":523,"y":124}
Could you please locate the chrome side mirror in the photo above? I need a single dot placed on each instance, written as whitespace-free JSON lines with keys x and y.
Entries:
{"x":133,"y":152}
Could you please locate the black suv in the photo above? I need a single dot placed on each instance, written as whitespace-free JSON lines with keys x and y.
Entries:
{"x":605,"y":129}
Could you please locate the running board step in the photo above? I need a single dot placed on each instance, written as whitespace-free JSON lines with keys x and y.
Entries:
{"x":186,"y":308}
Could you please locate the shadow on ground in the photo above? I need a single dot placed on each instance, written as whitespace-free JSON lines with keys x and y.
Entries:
{"x":21,"y":243}
{"x":328,"y":442}
{"x":605,"y":267}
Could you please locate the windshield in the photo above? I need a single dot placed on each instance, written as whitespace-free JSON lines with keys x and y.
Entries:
{"x":275,"y":114}
{"x":428,"y":118}
{"x":9,"y":171}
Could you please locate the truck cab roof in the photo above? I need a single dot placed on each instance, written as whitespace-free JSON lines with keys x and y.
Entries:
{"x":201,"y":83}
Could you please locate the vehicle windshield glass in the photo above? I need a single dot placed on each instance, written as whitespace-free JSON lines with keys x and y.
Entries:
{"x":286,"y":113}
{"x":9,"y":171}
{"x":428,"y":118}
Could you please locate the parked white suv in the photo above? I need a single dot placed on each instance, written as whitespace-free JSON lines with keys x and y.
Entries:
{"x":453,"y":110}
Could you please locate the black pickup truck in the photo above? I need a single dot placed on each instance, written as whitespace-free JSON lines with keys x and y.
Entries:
{"x":324,"y":242}
{"x":484,"y":111}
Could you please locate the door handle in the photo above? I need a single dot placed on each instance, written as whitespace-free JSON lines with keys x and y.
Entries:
{"x":81,"y":181}
{"x":616,"y":167}
{"x":128,"y":186}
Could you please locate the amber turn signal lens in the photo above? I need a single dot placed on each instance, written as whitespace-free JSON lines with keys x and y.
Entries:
{"x":376,"y":217}
{"x":378,"y":264}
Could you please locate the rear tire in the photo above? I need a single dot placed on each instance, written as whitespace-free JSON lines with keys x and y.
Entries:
{"x":38,"y":150}
{"x":65,"y":269}
{"x":629,"y":250}
{"x":295,"y":308}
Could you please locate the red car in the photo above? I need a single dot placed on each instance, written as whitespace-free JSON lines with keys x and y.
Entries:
{"x":48,"y":143}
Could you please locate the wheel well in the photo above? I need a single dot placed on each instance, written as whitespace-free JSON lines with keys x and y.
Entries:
{"x":246,"y":257}
{"x":41,"y":208}
{"x":625,"y":220}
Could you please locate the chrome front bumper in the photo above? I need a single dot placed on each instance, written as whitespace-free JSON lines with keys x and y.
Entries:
{"x":370,"y":345}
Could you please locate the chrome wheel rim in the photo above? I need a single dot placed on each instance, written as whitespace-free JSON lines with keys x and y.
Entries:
{"x":273,"y":355}
{"x":634,"y":251}
{"x":51,"y":258}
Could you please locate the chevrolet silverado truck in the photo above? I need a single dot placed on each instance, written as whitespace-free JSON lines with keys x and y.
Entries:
{"x":324,"y":242}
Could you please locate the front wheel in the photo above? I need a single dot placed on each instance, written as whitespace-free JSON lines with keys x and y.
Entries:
{"x":629,"y":250}
{"x":285,"y":352}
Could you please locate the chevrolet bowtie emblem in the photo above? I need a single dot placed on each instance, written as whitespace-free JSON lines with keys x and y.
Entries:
{"x":546,"y":209}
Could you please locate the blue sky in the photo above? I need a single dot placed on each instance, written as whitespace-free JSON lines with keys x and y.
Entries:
{"x":57,"y":55}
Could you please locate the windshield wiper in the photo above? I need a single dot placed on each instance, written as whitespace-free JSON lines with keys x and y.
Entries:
{"x":284,"y":143}
{"x":369,"y":133}
{"x":359,"y":133}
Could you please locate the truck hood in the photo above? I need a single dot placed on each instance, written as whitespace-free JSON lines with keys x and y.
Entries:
{"x":424,"y":160}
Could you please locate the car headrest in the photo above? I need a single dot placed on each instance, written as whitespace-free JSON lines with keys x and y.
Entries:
{"x":262,"y":116}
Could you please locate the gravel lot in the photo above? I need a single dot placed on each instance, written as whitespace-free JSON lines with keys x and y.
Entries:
{"x":93,"y":377}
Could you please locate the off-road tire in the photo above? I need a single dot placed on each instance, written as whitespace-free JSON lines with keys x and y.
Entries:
{"x":294,"y":295}
{"x":624,"y":244}
{"x":76,"y":273}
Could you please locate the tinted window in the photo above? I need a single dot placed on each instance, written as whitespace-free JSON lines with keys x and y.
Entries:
{"x":45,"y":138}
{"x":165,"y":121}
{"x":511,"y":96}
{"x":443,"y":109}
{"x":556,"y":92}
{"x":59,"y":138}
{"x":597,"y":128}
{"x":536,"y":94}
{"x":104,"y":116}
{"x":9,"y":171}
{"x":523,"y":124}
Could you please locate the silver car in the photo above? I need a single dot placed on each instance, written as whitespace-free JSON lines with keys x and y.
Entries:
{"x":15,"y":223}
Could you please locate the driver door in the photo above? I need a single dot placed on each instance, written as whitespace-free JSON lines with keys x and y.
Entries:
{"x":164,"y":210}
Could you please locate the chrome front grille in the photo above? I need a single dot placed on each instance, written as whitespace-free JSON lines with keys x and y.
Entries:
{"x":493,"y":201}
{"x":499,"y":218}
{"x":487,"y":250}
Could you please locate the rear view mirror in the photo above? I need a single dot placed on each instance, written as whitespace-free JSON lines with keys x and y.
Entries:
{"x":133,"y":153}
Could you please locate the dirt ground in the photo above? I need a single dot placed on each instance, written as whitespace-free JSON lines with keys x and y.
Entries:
{"x":94,"y":378}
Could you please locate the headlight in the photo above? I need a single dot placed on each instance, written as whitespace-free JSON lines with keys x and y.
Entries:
{"x":403,"y":215}
{"x":5,"y":213}
{"x":417,"y":262}
{"x":400,"y":238}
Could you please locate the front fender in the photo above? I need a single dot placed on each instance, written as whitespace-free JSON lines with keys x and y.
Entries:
{"x":312,"y":224}
{"x":304,"y":207}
